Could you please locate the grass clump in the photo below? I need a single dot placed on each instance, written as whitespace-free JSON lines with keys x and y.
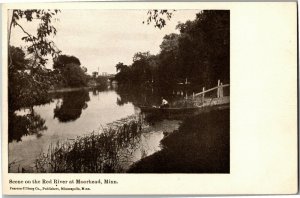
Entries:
{"x":94,"y":153}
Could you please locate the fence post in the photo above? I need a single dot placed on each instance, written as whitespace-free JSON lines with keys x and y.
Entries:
{"x":193,"y":95}
{"x":203,"y":89}
{"x":221,"y":90}
{"x":218,"y":90}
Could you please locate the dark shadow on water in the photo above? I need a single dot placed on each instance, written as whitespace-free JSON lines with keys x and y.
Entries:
{"x":70,"y":109}
{"x":20,"y":125}
{"x":152,"y":118}
{"x":72,"y":104}
{"x":201,"y":145}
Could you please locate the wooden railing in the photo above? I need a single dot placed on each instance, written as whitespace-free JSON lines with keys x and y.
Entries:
{"x":213,"y":96}
{"x":219,"y":91}
{"x":200,"y":100}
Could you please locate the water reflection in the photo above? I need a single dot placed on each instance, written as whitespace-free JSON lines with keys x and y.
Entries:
{"x":28,"y":124}
{"x":71,"y":106}
{"x":101,"y":110}
{"x":113,"y":150}
{"x":64,"y":119}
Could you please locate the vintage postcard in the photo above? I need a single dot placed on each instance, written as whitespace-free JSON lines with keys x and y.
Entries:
{"x":177,"y":98}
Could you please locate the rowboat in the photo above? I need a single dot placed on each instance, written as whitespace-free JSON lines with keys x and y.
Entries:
{"x":171,"y":110}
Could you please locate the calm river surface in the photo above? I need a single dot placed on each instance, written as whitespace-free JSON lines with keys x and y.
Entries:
{"x":79,"y":113}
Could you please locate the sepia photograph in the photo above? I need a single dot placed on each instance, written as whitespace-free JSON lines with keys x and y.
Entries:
{"x":149,"y":98}
{"x":118,"y":91}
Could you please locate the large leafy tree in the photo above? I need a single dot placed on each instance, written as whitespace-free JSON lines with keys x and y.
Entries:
{"x":204,"y":46}
{"x":26,"y":88}
{"x":141,"y":72}
{"x":120,"y":67}
{"x":28,"y":79}
{"x":124,"y":73}
{"x":73,"y":75}
{"x":200,"y":53}
{"x":62,"y":60}
{"x":168,"y":59}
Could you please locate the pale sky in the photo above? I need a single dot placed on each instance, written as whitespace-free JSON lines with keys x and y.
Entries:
{"x":102,"y":38}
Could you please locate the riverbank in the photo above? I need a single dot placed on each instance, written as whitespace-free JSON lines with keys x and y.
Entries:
{"x":68,"y":89}
{"x":200,"y":145}
{"x":71,"y":117}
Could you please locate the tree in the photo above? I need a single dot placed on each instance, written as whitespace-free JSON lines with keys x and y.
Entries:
{"x":140,"y":67}
{"x":26,"y":87}
{"x":204,"y":46}
{"x":169,"y":43}
{"x":62,"y":60}
{"x":153,"y":61}
{"x":28,"y":79}
{"x":140,"y":56}
{"x":120,"y":67}
{"x":38,"y":44}
{"x":73,"y":75}
{"x":18,"y":59}
{"x":200,"y":52}
{"x":124,"y":73}
{"x":168,"y":59}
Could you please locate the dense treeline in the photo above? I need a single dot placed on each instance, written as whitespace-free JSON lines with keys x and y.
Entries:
{"x":198,"y":54}
{"x":29,"y":84}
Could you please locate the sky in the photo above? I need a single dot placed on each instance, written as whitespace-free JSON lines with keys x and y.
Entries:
{"x":102,"y":38}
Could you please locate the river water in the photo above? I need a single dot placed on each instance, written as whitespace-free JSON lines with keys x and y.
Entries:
{"x":79,"y":113}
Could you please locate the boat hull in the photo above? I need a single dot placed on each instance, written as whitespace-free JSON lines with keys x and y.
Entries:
{"x":168,"y":110}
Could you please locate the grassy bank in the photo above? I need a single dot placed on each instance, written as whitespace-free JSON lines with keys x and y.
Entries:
{"x":94,"y":153}
{"x":200,"y":145}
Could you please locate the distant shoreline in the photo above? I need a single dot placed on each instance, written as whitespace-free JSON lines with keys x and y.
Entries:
{"x":68,"y":89}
